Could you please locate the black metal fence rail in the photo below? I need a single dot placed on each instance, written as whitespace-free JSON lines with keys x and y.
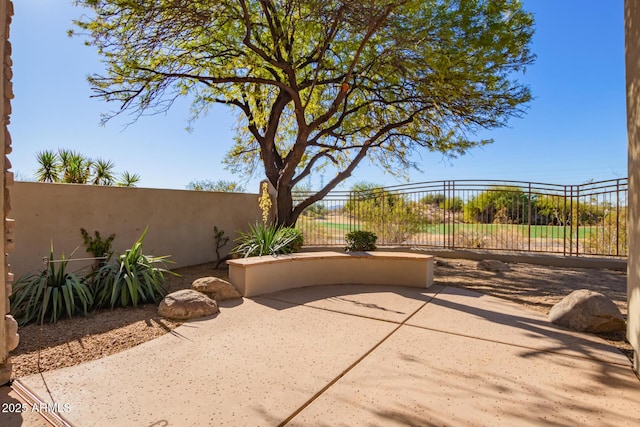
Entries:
{"x":587,"y":219}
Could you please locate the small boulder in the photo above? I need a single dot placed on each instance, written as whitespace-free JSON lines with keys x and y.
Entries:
{"x":11,"y":332}
{"x":492,"y":265}
{"x":216,"y":288}
{"x":187,"y":304}
{"x":587,"y":311}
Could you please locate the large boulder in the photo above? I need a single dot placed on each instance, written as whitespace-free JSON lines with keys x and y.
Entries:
{"x":587,"y":311}
{"x":492,"y":265}
{"x":187,"y":304}
{"x":216,"y":288}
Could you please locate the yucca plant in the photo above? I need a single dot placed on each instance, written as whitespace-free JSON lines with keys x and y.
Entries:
{"x":268,"y":240}
{"x":131,"y":278}
{"x":50,"y":294}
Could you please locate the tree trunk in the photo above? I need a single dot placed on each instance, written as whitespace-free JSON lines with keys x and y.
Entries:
{"x":285,"y":216}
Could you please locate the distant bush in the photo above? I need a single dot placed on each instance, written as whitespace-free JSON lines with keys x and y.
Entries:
{"x":391,"y":216}
{"x":502,"y":205}
{"x":360,"y":240}
{"x":216,"y":186}
{"x":454,"y":204}
{"x":433,"y":199}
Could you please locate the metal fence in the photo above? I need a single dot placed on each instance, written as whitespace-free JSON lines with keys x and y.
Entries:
{"x":587,"y":219}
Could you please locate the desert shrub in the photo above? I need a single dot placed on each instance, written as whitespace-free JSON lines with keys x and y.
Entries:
{"x":610,"y":236}
{"x":433,"y":199}
{"x":264,"y":239}
{"x":317,"y":210}
{"x":131,"y":278}
{"x":360,"y":240}
{"x":550,"y":210}
{"x":454,"y":204}
{"x":502,"y":205}
{"x":50,"y":294}
{"x":389,"y":215}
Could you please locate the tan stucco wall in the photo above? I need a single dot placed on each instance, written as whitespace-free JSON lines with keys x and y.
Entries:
{"x":180,"y":222}
{"x":632,"y":49}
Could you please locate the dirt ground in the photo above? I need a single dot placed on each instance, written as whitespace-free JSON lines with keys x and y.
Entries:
{"x":73,"y":341}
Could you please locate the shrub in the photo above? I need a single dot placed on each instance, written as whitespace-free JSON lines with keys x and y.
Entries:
{"x":454,"y":204}
{"x":49,"y":294}
{"x":433,"y":199}
{"x":360,"y":240}
{"x":97,"y":246}
{"x":133,"y":278}
{"x":268,"y":240}
{"x":389,"y":215}
{"x":500,"y":205}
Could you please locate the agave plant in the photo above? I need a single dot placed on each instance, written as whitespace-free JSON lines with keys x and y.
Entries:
{"x":50,"y":294}
{"x":268,"y":240}
{"x":131,"y":278}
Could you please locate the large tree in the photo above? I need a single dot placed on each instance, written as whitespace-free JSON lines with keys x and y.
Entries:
{"x":319,"y":82}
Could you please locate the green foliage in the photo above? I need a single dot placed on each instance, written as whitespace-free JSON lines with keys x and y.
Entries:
{"x":265,"y":239}
{"x":317,"y":211}
{"x":454,"y":204}
{"x":218,"y":186}
{"x":71,"y":167}
{"x":131,"y":279}
{"x":128,"y":179}
{"x":49,"y":168}
{"x":97,"y":246}
{"x":500,"y":205}
{"x":389,"y":215}
{"x":360,"y":240}
{"x":319,"y":83}
{"x":49,"y":294}
{"x":433,"y":199}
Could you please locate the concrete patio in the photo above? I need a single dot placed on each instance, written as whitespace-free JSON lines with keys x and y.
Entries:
{"x":352,"y":355}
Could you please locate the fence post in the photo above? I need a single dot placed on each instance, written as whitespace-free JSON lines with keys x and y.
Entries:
{"x":564,"y":221}
{"x":529,"y":219}
{"x":452,"y":188}
{"x":617,"y":217}
{"x":577,"y":220}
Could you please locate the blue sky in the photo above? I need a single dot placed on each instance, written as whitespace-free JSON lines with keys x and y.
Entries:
{"x":574,"y":130}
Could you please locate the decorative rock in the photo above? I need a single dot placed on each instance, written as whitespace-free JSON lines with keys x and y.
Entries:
{"x":187,"y":304}
{"x":587,"y":311}
{"x":216,"y":288}
{"x":11,"y":331}
{"x":492,"y":265}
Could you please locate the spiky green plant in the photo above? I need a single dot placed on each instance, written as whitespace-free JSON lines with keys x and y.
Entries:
{"x":103,"y":172}
{"x":50,"y":294}
{"x":130,"y":279}
{"x":49,"y":168}
{"x":128,"y":179}
{"x":268,"y":240}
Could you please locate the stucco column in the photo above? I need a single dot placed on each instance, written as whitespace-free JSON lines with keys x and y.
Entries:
{"x":632,"y":53}
{"x":8,"y":327}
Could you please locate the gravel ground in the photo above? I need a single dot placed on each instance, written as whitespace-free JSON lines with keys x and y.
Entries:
{"x":73,"y":341}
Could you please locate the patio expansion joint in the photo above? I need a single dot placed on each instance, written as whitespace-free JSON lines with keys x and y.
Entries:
{"x":360,"y":359}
